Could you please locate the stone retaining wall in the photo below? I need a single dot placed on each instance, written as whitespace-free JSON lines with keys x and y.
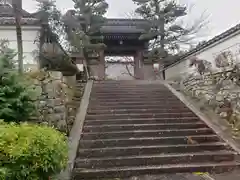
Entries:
{"x":55,"y":92}
{"x":217,"y":91}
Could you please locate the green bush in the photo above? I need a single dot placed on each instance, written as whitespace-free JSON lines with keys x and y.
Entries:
{"x":31,"y":152}
{"x":16,"y":101}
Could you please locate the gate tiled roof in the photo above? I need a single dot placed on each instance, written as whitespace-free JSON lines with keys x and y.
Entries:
{"x":7,"y":16}
{"x":124,"y":26}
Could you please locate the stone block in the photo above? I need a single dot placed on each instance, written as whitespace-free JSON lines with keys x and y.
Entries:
{"x":57,"y":118}
{"x":54,"y":102}
{"x":59,"y":109}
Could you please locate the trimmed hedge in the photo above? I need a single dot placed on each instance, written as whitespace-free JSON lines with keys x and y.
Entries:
{"x":31,"y":152}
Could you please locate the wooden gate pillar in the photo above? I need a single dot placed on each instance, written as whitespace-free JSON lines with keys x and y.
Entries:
{"x":138,"y":65}
{"x":97,"y":66}
{"x":101,"y":65}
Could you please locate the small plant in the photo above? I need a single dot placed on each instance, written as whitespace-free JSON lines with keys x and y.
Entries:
{"x":31,"y":152}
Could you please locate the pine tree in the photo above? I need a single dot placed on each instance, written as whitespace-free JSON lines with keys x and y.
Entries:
{"x":51,"y":15}
{"x":90,"y":13}
{"x":82,"y":24}
{"x":16,"y":103}
{"x":52,"y":31}
{"x":164,"y":29}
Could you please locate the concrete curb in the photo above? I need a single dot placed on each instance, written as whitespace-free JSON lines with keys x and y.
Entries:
{"x":76,"y":131}
{"x":212,"y":120}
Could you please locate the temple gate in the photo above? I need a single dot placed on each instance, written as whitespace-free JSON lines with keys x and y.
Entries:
{"x":121,"y":37}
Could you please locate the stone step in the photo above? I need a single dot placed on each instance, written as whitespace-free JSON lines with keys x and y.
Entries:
{"x":127,"y":98}
{"x":125,"y":88}
{"x":182,"y":120}
{"x":128,"y":171}
{"x":135,"y":127}
{"x":146,"y":133}
{"x":137,"y":102}
{"x":155,"y":159}
{"x":146,"y":141}
{"x":131,"y":93}
{"x":134,"y":98}
{"x":135,"y":82}
{"x":148,"y":150}
{"x":141,"y":106}
{"x":141,"y":128}
{"x":131,"y":83}
{"x":133,"y":105}
{"x":129,"y":111}
{"x":128,"y":92}
{"x":136,"y":115}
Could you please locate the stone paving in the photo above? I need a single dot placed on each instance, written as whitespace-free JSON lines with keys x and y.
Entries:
{"x":167,"y":177}
{"x":235,"y":175}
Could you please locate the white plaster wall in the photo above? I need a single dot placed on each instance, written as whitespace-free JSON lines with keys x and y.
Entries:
{"x":231,"y":43}
{"x":118,"y":71}
{"x":29,"y":35}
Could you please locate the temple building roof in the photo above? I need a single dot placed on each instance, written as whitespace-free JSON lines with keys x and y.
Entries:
{"x":232,"y":31}
{"x":7,"y":16}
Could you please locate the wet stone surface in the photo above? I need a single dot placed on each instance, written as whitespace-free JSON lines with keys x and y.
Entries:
{"x":233,"y":175}
{"x":166,"y":177}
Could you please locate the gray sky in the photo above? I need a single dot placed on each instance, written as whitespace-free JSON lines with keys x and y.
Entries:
{"x":223,"y":14}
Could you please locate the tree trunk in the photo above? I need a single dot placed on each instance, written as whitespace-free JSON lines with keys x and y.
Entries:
{"x":17,"y":8}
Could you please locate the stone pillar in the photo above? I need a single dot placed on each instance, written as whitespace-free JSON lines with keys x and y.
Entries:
{"x":101,"y":65}
{"x":93,"y":65}
{"x":97,"y":66}
{"x":148,"y":71}
{"x":70,"y":81}
{"x":79,"y":62}
{"x":138,"y":65}
{"x":161,"y":72}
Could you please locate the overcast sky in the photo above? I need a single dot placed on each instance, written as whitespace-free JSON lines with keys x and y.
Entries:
{"x":223,"y":14}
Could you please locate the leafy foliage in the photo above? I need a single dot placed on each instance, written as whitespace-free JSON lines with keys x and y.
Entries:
{"x":90,"y":14}
{"x":83,"y":25}
{"x":52,"y":33}
{"x":49,"y":14}
{"x":164,"y":27}
{"x":15,"y":94}
{"x":31,"y":152}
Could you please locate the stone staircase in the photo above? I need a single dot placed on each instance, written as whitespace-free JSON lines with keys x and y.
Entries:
{"x":135,"y":128}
